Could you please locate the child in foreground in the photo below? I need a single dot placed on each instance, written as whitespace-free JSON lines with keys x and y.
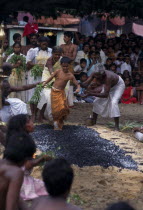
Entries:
{"x":58,"y":177}
{"x":19,"y":150}
{"x":59,"y":105}
{"x":31,"y":187}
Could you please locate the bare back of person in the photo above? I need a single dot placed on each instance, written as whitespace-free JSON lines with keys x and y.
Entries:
{"x":11,"y":178}
{"x":61,"y":79}
{"x":48,"y":203}
{"x":111,"y":78}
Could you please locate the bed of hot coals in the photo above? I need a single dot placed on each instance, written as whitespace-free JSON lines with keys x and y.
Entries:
{"x":81,"y":146}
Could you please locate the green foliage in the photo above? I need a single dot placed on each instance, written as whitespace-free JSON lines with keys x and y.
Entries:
{"x":126,"y":126}
{"x":9,"y":51}
{"x":36,"y":71}
{"x":14,"y":60}
{"x":76,"y":199}
{"x":37,"y":94}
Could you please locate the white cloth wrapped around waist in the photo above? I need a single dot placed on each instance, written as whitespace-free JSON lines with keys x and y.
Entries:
{"x":108,"y":107}
{"x":15,"y":107}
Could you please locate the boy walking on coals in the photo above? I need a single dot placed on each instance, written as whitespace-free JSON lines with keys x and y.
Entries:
{"x":59,"y":106}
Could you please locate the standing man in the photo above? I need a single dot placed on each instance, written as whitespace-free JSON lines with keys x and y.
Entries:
{"x":106,"y":102}
{"x":33,"y":43}
{"x":70,"y":51}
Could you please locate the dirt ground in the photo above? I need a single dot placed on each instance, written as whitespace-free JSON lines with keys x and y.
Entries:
{"x":95,"y":187}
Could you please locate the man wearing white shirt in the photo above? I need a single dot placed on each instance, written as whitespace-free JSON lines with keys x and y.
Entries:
{"x":126,"y":65}
{"x":102,"y":54}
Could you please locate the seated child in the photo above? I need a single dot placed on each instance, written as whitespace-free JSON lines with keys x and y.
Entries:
{"x":19,"y":150}
{"x":113,"y":68}
{"x":127,"y":97}
{"x":58,"y":178}
{"x":80,"y":68}
{"x":31,"y":187}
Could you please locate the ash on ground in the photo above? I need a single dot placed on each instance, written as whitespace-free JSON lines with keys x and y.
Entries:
{"x":81,"y":146}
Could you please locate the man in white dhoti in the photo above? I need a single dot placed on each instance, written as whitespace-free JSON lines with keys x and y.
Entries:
{"x":106,"y":102}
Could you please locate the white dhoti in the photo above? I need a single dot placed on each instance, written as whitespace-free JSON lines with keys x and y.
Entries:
{"x":15,"y":107}
{"x":46,"y":99}
{"x":108,"y":107}
{"x":139,"y":136}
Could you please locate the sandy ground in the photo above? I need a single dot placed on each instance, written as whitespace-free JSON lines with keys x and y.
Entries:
{"x":95,"y":187}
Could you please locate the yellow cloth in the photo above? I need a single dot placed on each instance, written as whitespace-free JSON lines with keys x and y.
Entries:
{"x":17,"y":82}
{"x":60,"y":108}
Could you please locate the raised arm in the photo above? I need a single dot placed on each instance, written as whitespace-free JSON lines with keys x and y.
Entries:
{"x":51,"y":77}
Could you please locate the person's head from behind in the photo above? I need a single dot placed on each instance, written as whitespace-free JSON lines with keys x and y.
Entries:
{"x":57,"y":52}
{"x":26,"y":19}
{"x":43,"y":42}
{"x":120,"y":206}
{"x":20,"y":148}
{"x":7,"y":69}
{"x":83,"y":77}
{"x":17,"y":48}
{"x":17,"y":37}
{"x":86,"y":47}
{"x":58,"y":177}
{"x":65,"y":61}
{"x":83,"y":63}
{"x":113,"y":67}
{"x":19,"y":123}
{"x":33,"y":39}
{"x":68,"y":36}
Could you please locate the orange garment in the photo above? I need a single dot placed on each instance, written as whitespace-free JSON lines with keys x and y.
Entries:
{"x":59,"y":105}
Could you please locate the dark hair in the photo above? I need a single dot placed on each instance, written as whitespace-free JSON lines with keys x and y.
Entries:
{"x":68,"y":34}
{"x":65,"y":60}
{"x":83,"y":60}
{"x":57,"y":49}
{"x":43,"y":39}
{"x":83,"y":74}
{"x":31,"y":35}
{"x":15,"y":36}
{"x":25,"y":18}
{"x":86,"y":43}
{"x":113,"y":64}
{"x":16,"y":124}
{"x":7,"y":68}
{"x":120,"y":206}
{"x":58,"y":177}
{"x":20,"y":147}
{"x":91,"y":52}
{"x":16,"y":43}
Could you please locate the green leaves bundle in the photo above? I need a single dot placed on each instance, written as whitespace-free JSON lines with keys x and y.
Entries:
{"x":14,"y":60}
{"x":36,"y":71}
{"x":37,"y":94}
{"x":9,"y":51}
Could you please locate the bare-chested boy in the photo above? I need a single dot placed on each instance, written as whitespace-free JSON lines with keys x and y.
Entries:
{"x":59,"y":104}
{"x":58,"y":177}
{"x":19,"y":150}
{"x":106,"y":101}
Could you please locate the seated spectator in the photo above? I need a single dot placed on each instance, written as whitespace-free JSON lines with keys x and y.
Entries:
{"x":127,"y":97}
{"x":79,"y":97}
{"x":108,"y":63}
{"x":120,"y":206}
{"x":93,"y":59}
{"x":58,"y":177}
{"x":126,"y":65}
{"x":82,"y":53}
{"x":125,"y":74}
{"x":80,"y":68}
{"x":119,"y":61}
{"x":113,"y":68}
